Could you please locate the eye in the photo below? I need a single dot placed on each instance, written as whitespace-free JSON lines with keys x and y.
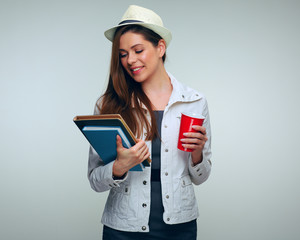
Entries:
{"x":139,"y":51}
{"x":122,"y":55}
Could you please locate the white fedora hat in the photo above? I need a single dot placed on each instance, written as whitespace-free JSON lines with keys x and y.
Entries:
{"x":136,"y":15}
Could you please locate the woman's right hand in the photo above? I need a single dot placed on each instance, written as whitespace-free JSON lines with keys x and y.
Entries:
{"x":128,"y":158}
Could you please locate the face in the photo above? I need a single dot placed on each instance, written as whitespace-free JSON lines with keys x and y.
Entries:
{"x":139,"y":57}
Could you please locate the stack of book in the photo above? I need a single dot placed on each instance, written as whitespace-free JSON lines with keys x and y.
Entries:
{"x":101,"y":131}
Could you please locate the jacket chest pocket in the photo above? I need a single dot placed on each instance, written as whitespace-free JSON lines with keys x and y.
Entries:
{"x":177,"y":121}
{"x":173,"y":125}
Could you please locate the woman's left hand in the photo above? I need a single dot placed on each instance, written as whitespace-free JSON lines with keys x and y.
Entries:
{"x":196,"y":142}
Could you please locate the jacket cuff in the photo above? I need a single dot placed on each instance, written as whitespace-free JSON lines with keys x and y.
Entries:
{"x":110,"y":180}
{"x":200,"y":172}
{"x":204,"y":164}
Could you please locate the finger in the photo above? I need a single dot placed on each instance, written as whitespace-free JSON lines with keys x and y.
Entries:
{"x":140,"y":144}
{"x":137,"y":150}
{"x":145,"y":154}
{"x":199,"y":129}
{"x":195,"y":138}
{"x":193,"y":146}
{"x":198,"y":135}
{"x":143,"y":151}
{"x":189,"y":146}
{"x":191,"y":141}
{"x":119,"y":142}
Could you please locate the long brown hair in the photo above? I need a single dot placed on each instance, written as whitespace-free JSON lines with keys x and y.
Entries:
{"x":123,"y":94}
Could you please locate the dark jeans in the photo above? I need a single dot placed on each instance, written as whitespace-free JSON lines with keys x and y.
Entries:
{"x":176,"y":232}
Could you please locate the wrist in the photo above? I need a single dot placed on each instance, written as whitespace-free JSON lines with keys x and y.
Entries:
{"x":196,"y":159}
{"x":117,"y":171}
{"x":119,"y":178}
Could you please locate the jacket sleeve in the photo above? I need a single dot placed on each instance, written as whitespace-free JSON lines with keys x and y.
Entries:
{"x":100,"y":175}
{"x":200,"y":172}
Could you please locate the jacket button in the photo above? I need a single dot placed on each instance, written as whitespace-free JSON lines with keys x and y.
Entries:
{"x":166,"y":173}
{"x":166,"y":126}
{"x":144,"y":205}
{"x":167,"y":197}
{"x":166,"y":150}
{"x":145,"y":182}
{"x":144,"y":228}
{"x":168,"y":219}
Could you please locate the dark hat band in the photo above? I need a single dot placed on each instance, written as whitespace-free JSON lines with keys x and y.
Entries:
{"x":130,"y":21}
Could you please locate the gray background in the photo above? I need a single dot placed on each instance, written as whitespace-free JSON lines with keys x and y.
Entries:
{"x":243,"y":55}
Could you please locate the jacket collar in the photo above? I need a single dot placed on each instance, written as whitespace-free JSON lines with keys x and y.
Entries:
{"x":182,"y":93}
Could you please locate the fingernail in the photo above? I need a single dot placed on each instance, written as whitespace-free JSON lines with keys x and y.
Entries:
{"x":185,"y":134}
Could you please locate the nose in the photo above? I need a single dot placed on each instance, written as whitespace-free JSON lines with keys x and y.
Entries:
{"x":131,"y":58}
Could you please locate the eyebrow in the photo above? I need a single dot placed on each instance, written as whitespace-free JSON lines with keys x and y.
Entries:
{"x":131,"y":47}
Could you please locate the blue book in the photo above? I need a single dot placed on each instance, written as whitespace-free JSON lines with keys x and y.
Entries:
{"x":101,"y":131}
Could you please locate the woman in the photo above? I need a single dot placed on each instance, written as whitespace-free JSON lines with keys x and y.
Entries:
{"x":158,"y":203}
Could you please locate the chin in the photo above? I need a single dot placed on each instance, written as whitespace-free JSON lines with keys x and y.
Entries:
{"x":138,"y":79}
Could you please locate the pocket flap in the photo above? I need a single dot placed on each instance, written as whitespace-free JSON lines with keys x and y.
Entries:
{"x":186,"y":180}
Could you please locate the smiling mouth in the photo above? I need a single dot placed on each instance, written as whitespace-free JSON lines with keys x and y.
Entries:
{"x":136,"y":70}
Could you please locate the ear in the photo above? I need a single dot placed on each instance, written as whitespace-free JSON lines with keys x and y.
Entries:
{"x":161,"y":46}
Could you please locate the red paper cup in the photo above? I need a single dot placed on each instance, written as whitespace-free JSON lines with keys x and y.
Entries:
{"x":186,"y":123}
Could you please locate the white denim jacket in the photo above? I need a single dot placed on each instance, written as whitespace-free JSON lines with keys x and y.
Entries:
{"x":128,"y":204}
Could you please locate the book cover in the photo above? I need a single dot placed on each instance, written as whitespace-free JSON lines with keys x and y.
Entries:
{"x":101,"y":132}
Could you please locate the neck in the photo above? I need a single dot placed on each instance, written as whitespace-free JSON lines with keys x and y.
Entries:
{"x":159,"y":83}
{"x":158,"y":90}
